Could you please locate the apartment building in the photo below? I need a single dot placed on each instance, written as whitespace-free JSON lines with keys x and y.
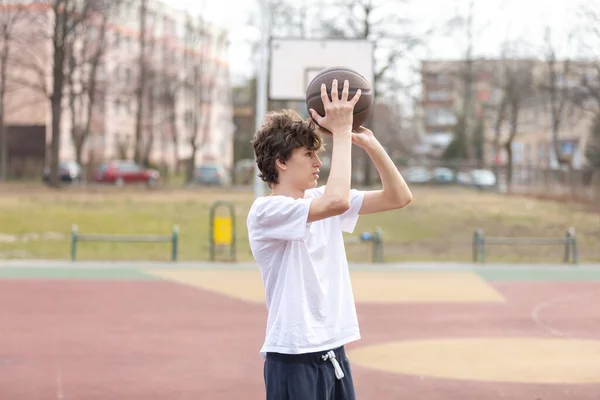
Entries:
{"x":186,"y":101}
{"x":443,"y":93}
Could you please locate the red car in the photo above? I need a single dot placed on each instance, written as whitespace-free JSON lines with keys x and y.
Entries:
{"x":122,"y":172}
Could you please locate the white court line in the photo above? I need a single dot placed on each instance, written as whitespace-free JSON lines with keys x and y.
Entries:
{"x":58,"y":373}
{"x":59,"y":384}
{"x":535,"y":313}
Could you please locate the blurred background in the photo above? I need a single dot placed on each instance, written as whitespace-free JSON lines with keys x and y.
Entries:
{"x":472,"y":98}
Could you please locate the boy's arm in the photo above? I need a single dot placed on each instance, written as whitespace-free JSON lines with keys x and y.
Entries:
{"x":395,"y":193}
{"x":338,"y":120}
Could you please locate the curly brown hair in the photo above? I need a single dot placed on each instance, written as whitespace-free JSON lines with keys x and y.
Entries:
{"x":280,"y":134}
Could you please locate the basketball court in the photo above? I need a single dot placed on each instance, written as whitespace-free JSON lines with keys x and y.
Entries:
{"x":99,"y":331}
{"x":189,"y":331}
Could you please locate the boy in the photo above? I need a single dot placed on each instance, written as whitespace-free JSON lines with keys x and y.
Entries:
{"x":295,"y":235}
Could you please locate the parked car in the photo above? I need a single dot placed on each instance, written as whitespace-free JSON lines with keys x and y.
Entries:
{"x":121,"y":172}
{"x":417,"y":175}
{"x":244,"y":171}
{"x":212,"y":174}
{"x":68,"y":171}
{"x":443,"y":175}
{"x":483,"y":178}
{"x":464,"y":178}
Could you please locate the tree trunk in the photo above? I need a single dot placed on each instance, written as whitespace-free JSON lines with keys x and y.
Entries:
{"x":175,"y":139}
{"x":149,"y":142}
{"x":595,"y":183}
{"x":509,"y":165}
{"x":91,"y":98}
{"x":191,"y":164}
{"x":497,"y":131}
{"x":75,"y":128}
{"x":468,"y":85}
{"x":3,"y":133}
{"x":58,"y":75}
{"x":79,"y":150}
{"x":141,"y":89}
{"x":515,"y":106}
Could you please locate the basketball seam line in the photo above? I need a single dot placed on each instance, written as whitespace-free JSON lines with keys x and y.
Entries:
{"x":338,"y":69}
{"x":355,"y":112}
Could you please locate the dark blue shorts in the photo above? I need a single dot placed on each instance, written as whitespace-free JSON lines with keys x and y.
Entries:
{"x":307,"y":377}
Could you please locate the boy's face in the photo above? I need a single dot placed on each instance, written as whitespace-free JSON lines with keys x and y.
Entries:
{"x":302,"y":169}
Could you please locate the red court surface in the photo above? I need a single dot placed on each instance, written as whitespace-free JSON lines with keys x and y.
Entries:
{"x":109,"y":339}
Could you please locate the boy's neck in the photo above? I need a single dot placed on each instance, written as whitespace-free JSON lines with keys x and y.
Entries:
{"x":288,"y":191}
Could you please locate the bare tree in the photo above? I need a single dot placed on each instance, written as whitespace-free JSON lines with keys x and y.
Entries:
{"x":85,"y":59}
{"x":518,"y":90}
{"x":11,"y":16}
{"x":66,"y":16}
{"x":140,"y":90}
{"x":380,"y":22}
{"x":201,"y":82}
{"x":153,"y":80}
{"x":151,"y":90}
{"x":556,"y":86}
{"x":167,"y":86}
{"x":467,"y":25}
{"x":513,"y":88}
{"x":170,"y":103}
{"x":498,"y":106}
{"x":593,"y":147}
{"x":499,"y":119}
{"x":57,"y":21}
{"x":465,"y":74}
{"x":59,"y":25}
{"x":590,"y":38}
{"x":589,"y":91}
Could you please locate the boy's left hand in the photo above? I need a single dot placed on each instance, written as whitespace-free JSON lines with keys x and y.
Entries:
{"x":362,"y":137}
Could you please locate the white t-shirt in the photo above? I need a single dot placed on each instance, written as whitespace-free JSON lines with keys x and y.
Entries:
{"x":305,"y":273}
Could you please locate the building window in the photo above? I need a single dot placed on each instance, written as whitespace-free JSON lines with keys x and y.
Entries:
{"x":528,"y":154}
{"x":517,"y":152}
{"x":438,"y":95}
{"x":440,"y":116}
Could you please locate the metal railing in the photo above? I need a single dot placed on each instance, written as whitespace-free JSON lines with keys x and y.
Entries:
{"x":569,"y":241}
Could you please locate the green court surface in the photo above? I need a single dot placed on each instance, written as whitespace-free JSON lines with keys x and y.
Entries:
{"x":141,"y":271}
{"x":74,"y":273}
{"x":529,"y":274}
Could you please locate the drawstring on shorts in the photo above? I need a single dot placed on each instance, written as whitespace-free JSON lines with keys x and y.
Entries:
{"x":330,"y":355}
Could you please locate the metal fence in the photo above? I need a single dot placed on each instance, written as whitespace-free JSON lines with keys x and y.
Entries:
{"x":560,"y":184}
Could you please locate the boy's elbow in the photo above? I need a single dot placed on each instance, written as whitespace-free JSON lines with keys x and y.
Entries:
{"x":339,"y":205}
{"x":404,"y":200}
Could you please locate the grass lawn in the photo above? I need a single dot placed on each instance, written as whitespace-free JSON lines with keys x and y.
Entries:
{"x":35,"y":222}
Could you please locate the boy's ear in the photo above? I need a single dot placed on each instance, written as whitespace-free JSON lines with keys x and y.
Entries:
{"x":280,"y":164}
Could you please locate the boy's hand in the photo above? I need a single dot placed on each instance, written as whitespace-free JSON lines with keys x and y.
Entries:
{"x":362,"y":137}
{"x":339,"y":112}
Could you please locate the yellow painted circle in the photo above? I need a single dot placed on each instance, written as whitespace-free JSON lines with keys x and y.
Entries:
{"x":528,"y":360}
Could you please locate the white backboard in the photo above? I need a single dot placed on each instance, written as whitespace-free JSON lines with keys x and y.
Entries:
{"x":295,"y":62}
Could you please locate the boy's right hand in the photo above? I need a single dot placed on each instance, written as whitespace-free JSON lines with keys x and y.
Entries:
{"x":339,"y":112}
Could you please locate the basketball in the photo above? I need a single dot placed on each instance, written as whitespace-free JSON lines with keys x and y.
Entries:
{"x":356,"y":81}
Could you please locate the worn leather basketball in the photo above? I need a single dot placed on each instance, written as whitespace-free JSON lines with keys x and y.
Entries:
{"x":356,"y":81}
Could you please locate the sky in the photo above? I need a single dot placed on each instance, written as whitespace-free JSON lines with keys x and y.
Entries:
{"x":495,"y":21}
